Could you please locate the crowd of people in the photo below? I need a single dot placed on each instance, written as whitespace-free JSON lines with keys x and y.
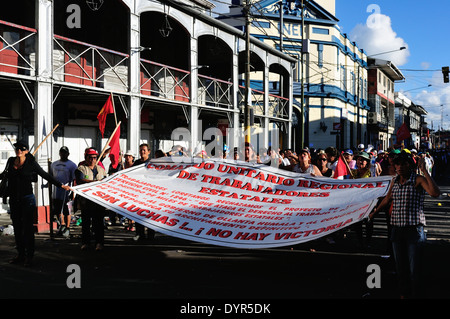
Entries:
{"x":413,"y":175}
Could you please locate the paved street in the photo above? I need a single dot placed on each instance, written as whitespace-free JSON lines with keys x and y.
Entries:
{"x":170,"y":268}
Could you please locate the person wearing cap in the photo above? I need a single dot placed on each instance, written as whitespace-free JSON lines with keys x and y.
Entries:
{"x":415,"y":155}
{"x":407,"y":194}
{"x":87,"y":172}
{"x":362,"y":169}
{"x":360,"y":147}
{"x":64,"y":171}
{"x":21,"y":173}
{"x":348,"y":155}
{"x":304,"y":165}
{"x":129,"y":159}
{"x":99,"y":162}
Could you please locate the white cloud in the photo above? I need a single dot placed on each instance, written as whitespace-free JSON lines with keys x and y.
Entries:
{"x":432,"y":100}
{"x":377,"y":36}
{"x":425,"y":65}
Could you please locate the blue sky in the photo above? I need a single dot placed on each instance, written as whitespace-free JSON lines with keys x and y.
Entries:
{"x":422,"y":26}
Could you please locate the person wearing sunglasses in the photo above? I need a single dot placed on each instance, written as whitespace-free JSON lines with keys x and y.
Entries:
{"x":22,"y":171}
{"x":91,"y":213}
{"x":322,"y":162}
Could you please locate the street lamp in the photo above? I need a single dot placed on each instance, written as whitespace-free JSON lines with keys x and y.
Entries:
{"x":429,"y":85}
{"x":399,"y":49}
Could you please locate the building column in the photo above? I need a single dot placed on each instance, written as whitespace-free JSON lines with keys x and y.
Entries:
{"x":43,"y":113}
{"x":235,"y":132}
{"x":134,"y":120}
{"x":195,"y":127}
{"x":266,"y":124}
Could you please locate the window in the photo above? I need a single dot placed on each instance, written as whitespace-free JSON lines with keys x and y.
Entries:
{"x":320,"y":55}
{"x":320,"y":31}
{"x":337,"y":58}
{"x":353,"y":84}
{"x":343,"y":78}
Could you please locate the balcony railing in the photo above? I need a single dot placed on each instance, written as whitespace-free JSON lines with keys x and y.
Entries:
{"x":278,"y":106}
{"x":85,"y":64}
{"x":163,"y":81}
{"x":214,"y":92}
{"x":17,"y":45}
{"x":82,"y":63}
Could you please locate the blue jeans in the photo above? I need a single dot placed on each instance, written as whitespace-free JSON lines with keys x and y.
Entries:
{"x":408,"y":245}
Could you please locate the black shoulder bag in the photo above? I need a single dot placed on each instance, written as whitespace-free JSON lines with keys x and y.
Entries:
{"x":4,"y":184}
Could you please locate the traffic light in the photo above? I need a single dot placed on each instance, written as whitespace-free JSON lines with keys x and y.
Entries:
{"x":445,"y":70}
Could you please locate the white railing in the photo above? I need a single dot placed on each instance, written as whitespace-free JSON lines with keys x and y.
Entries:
{"x":214,"y":92}
{"x":163,"y":81}
{"x":17,"y":45}
{"x":278,"y":106}
{"x":90,"y":65}
{"x":86,"y":64}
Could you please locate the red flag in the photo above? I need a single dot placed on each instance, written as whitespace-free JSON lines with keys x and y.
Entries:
{"x":108,"y":108}
{"x":341,"y":168}
{"x":403,"y":133}
{"x":115,"y":148}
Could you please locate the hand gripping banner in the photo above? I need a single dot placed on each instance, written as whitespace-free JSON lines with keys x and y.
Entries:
{"x":233,"y":203}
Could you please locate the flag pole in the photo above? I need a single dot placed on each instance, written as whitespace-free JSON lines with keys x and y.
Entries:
{"x":109,"y":140}
{"x":45,"y":139}
{"x":346,"y":164}
{"x":115,"y":115}
{"x":114,"y":107}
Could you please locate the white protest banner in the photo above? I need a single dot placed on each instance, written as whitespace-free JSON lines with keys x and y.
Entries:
{"x":233,"y":203}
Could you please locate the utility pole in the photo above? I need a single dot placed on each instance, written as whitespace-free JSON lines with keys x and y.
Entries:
{"x":247,"y":99}
{"x":281,"y":24}
{"x":302,"y":117}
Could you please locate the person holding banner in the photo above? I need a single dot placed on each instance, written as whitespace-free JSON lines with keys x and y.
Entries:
{"x":407,"y":194}
{"x":87,"y":172}
{"x":363,"y":171}
{"x":304,"y":165}
{"x":144,"y":152}
{"x":348,"y":155}
{"x":322,"y":165}
{"x":22,"y":202}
